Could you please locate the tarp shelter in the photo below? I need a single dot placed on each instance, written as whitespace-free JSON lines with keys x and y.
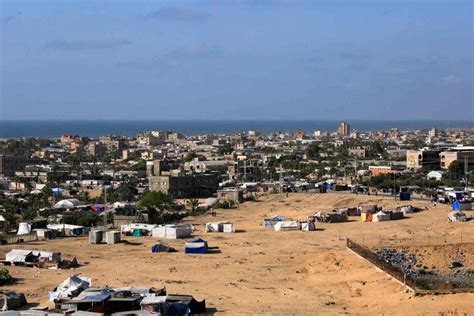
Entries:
{"x":405,"y":196}
{"x":24,"y":229}
{"x":270,"y":222}
{"x":287,"y":226}
{"x":396,"y":215}
{"x":457,"y":216}
{"x":70,"y":287}
{"x":195,"y":247}
{"x":380,"y":217}
{"x":68,"y":203}
{"x":69,"y":230}
{"x":57,"y":191}
{"x":162,"y":247}
{"x":129,"y":228}
{"x":220,"y":227}
{"x":173,"y":231}
{"x":456,"y":205}
{"x":308,"y":226}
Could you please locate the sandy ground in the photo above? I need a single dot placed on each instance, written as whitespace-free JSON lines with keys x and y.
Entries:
{"x":263,"y":271}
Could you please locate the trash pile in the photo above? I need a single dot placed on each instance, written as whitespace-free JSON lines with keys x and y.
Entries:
{"x":399,"y":260}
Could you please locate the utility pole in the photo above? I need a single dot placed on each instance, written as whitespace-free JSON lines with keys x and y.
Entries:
{"x":466,"y":172}
{"x":281,"y":183}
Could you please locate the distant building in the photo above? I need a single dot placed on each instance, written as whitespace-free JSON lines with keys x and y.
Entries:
{"x":358,"y":151}
{"x":95,"y":149}
{"x":378,"y":170}
{"x":433,"y":132}
{"x":344,"y":129}
{"x":178,"y":184}
{"x":9,"y":164}
{"x":424,"y":158}
{"x":457,"y":153}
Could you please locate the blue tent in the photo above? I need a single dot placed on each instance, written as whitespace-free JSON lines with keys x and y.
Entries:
{"x":405,"y":196}
{"x":57,"y":191}
{"x":198,"y":240}
{"x":195,"y":247}
{"x":456,"y":205}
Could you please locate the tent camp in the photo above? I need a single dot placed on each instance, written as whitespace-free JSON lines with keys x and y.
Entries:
{"x":173,"y":231}
{"x":287,"y":226}
{"x":70,"y":287}
{"x":68,"y":203}
{"x":24,"y":229}
{"x":220,"y":227}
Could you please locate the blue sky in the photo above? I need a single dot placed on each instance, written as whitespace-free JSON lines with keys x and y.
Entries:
{"x":224,"y":59}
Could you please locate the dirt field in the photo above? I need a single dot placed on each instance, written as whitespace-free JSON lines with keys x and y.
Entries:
{"x":263,"y":271}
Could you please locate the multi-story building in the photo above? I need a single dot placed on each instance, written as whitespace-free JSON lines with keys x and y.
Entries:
{"x":358,"y":151}
{"x":10,"y":164}
{"x":424,"y":158}
{"x":344,"y":129}
{"x":457,"y":153}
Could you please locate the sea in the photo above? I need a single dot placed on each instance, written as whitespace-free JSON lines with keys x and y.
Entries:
{"x":95,"y":128}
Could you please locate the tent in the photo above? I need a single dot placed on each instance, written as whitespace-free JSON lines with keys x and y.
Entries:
{"x":195,"y":247}
{"x":69,"y":288}
{"x":287,"y":226}
{"x":457,"y":216}
{"x":162,"y":247}
{"x":220,"y":227}
{"x":68,"y":203}
{"x":380,"y":217}
{"x":456,"y":205}
{"x":173,"y":231}
{"x":24,"y":229}
{"x":270,"y":222}
{"x":308,"y":226}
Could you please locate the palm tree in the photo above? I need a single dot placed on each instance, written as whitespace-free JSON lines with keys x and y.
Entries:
{"x":194,"y":204}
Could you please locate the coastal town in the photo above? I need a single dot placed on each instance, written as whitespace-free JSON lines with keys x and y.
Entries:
{"x":172,"y":223}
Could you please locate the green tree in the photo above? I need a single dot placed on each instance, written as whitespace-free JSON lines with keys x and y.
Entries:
{"x":157,"y":200}
{"x":456,"y":170}
{"x":193,"y":203}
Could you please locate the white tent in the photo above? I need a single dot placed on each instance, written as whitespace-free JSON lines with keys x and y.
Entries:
{"x":287,"y":226}
{"x":308,"y":226}
{"x":68,"y":203}
{"x":380,"y":217}
{"x":220,"y":227}
{"x":24,"y":229}
{"x":69,"y":287}
{"x":173,"y":231}
{"x":17,"y":255}
{"x":456,"y":216}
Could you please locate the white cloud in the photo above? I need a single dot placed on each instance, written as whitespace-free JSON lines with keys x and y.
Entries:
{"x":450,"y":80}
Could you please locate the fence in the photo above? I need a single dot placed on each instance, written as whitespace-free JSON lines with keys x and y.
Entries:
{"x":418,"y":240}
{"x":14,"y":239}
{"x":420,"y":283}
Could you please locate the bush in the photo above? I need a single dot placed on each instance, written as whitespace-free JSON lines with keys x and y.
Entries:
{"x":5,"y":276}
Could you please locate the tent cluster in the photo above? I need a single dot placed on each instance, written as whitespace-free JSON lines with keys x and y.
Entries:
{"x":76,"y":294}
{"x":336,"y":216}
{"x":39,"y":259}
{"x":170,"y":231}
{"x":220,"y":227}
{"x":282,"y":223}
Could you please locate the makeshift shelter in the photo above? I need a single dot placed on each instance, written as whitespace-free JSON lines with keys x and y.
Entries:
{"x":10,"y":301}
{"x":287,"y":226}
{"x":457,"y":216}
{"x":130,"y":228}
{"x":380,"y":216}
{"x":396,"y":215}
{"x":112,"y":237}
{"x":162,"y":247}
{"x":68,"y":229}
{"x":173,"y":231}
{"x":95,"y":236}
{"x":70,"y":287}
{"x":308,"y":226}
{"x":173,"y":305}
{"x":456,"y":206}
{"x":24,"y":229}
{"x":220,"y":227}
{"x":68,"y":203}
{"x":270,"y":222}
{"x":405,"y":196}
{"x":196,"y":245}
